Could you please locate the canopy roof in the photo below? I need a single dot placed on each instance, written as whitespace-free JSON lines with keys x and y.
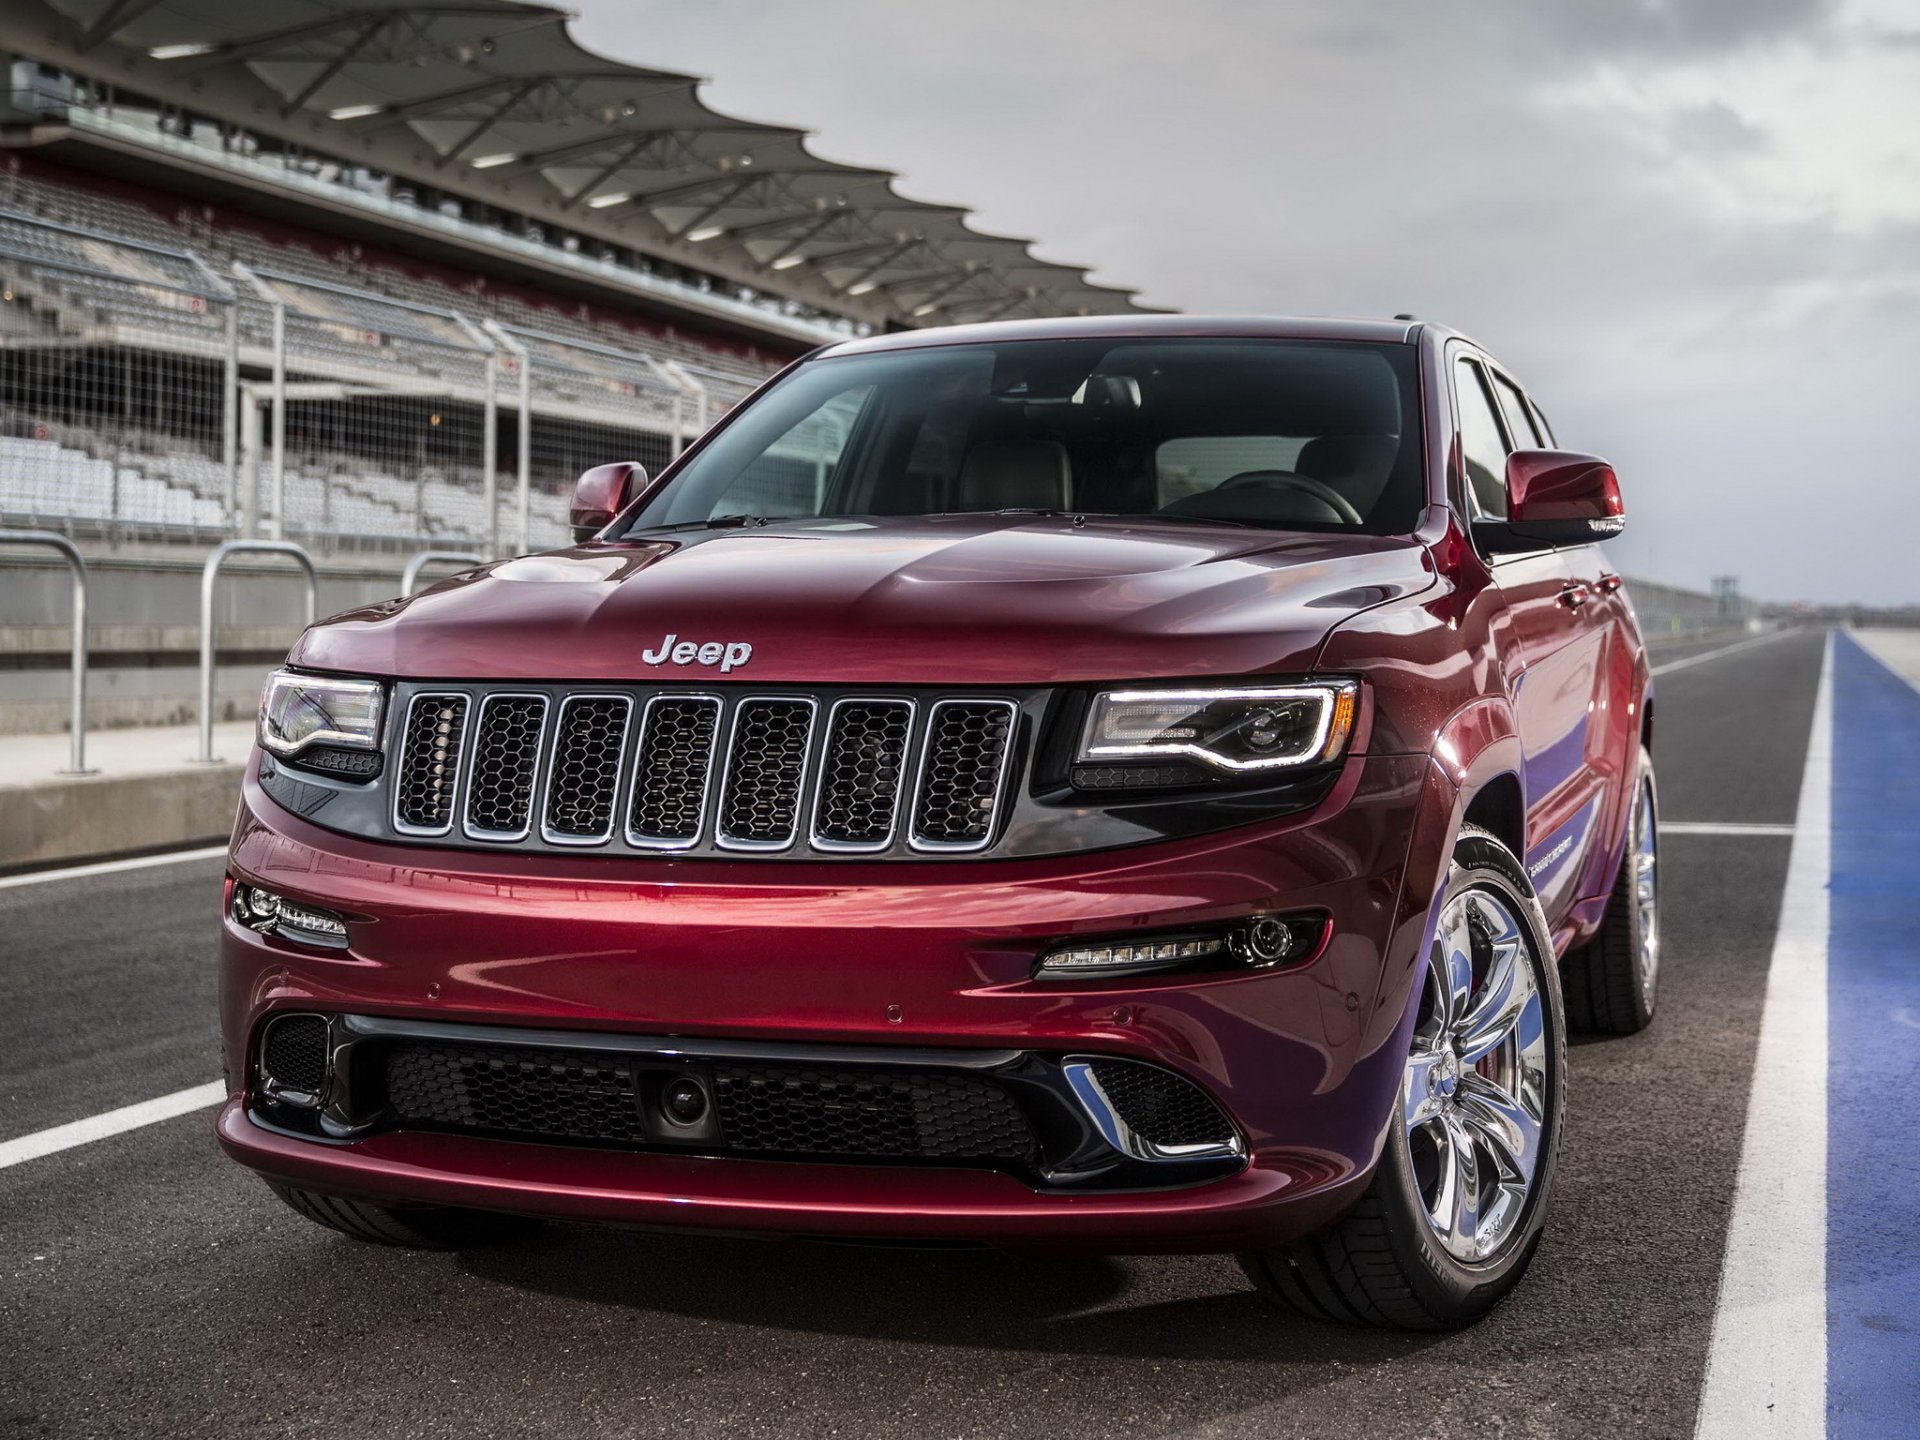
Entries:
{"x":511,"y":109}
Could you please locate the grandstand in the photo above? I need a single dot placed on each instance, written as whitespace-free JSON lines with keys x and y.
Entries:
{"x":341,"y":271}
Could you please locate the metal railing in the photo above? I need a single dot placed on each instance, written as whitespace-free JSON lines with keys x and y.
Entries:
{"x":410,"y":577}
{"x":77,"y":752}
{"x":209,"y":579}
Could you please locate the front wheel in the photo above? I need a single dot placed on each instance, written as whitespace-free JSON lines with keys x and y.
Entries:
{"x":1612,"y":981}
{"x":1456,"y":1207}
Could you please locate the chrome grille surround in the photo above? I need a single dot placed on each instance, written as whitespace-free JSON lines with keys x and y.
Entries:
{"x":636,"y":769}
{"x":503,"y":768}
{"x":432,"y":744}
{"x":963,"y":775}
{"x":673,"y":765}
{"x":764,"y":779}
{"x":848,"y":800}
{"x":584,"y":770}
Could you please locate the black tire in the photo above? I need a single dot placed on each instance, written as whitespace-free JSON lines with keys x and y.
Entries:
{"x":410,"y":1227}
{"x":1610,"y":983}
{"x":1382,"y":1264}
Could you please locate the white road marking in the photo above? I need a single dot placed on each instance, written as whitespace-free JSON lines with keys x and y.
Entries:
{"x":1767,"y":1369}
{"x":112,"y":1122}
{"x":108,"y":867}
{"x":1734,"y":649}
{"x":1727,"y":827}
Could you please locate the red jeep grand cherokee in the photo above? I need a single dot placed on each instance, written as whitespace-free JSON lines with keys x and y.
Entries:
{"x":1136,"y":784}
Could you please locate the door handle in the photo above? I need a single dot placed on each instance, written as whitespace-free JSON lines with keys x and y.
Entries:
{"x":1609,"y":583}
{"x":1575,"y":595}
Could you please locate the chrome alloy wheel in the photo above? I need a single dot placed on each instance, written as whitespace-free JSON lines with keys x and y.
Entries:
{"x":1474,"y":1100}
{"x":1646,"y":887}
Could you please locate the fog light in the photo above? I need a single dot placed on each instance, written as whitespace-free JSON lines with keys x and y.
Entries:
{"x":1119,"y":957}
{"x":1260,"y":943}
{"x":1277,"y":939}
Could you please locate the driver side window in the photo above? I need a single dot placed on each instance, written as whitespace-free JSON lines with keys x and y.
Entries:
{"x":1483,"y":449}
{"x":791,"y":476}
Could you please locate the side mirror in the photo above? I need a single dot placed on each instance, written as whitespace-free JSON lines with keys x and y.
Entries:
{"x":602,"y":493}
{"x":1555,"y":497}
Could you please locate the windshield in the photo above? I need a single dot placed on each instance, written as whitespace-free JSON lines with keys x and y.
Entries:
{"x":1282,"y":434}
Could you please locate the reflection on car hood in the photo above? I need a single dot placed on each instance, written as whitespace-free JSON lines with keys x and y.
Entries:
{"x":942,"y":600}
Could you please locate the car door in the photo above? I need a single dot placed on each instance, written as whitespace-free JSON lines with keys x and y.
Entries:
{"x":1598,"y":603}
{"x":1551,"y":658}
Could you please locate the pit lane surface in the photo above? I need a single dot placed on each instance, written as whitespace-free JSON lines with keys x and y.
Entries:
{"x":152,"y":1288}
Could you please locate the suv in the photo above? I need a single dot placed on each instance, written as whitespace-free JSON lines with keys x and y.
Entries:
{"x":1139,"y":784}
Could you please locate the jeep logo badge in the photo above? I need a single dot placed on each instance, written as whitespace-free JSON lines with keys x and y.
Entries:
{"x":707,"y":652}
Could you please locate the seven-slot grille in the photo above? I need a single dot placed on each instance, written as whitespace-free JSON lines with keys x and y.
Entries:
{"x":678,"y":772}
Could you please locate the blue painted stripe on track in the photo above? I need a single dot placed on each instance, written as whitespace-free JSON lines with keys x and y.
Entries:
{"x":1873,"y":1076}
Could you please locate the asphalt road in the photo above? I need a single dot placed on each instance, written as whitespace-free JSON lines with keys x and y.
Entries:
{"x":148,"y":1287}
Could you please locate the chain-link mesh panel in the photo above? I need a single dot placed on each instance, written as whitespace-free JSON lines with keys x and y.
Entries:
{"x":591,"y":403}
{"x":386,"y":416}
{"x":113,"y":362}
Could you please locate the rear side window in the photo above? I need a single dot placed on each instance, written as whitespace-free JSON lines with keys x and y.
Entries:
{"x":1483,"y":449}
{"x":1519,"y":420}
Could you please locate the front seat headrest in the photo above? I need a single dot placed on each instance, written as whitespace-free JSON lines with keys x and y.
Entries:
{"x":1358,"y":466}
{"x":1015,"y":475}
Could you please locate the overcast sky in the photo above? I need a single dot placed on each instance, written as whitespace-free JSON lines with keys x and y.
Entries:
{"x":1693,"y":228}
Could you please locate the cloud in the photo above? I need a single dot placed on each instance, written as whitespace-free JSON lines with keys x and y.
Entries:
{"x":1662,"y":29}
{"x":1714,"y":129}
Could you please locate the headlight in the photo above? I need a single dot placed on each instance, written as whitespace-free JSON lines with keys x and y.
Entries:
{"x":301,"y":710}
{"x":1240,"y":729}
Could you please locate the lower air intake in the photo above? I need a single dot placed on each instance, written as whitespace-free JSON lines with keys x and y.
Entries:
{"x":766,"y":1109}
{"x":293,"y":1054}
{"x":791,"y":1110}
{"x":1160,"y":1106}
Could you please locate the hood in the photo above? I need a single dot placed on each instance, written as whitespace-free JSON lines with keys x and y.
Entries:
{"x":938,"y":600}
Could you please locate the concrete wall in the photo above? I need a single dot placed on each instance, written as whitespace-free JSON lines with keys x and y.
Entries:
{"x":56,"y":818}
{"x":144,"y":634}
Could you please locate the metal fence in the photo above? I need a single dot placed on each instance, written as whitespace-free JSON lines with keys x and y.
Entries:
{"x":375,"y":420}
{"x":145,"y":395}
{"x":118,"y":375}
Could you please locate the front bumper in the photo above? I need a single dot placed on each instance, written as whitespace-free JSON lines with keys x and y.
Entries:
{"x":1306,"y":1062}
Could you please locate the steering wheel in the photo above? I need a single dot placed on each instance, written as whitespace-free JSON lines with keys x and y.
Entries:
{"x":1319,"y":490}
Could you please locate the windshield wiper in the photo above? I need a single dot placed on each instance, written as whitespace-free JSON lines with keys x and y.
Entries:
{"x":1174,"y":518}
{"x":717,"y":522}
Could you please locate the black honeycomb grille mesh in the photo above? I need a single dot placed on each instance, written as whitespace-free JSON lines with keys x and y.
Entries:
{"x":860,"y":772}
{"x":795,"y":1110}
{"x":670,"y":773}
{"x":763,"y":1108}
{"x":766,"y":759}
{"x":1161,"y":1106}
{"x":590,"y":737}
{"x":293,"y":1053}
{"x":430,"y":761}
{"x":557,"y":1094}
{"x":506,"y":758}
{"x":959,"y":787}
